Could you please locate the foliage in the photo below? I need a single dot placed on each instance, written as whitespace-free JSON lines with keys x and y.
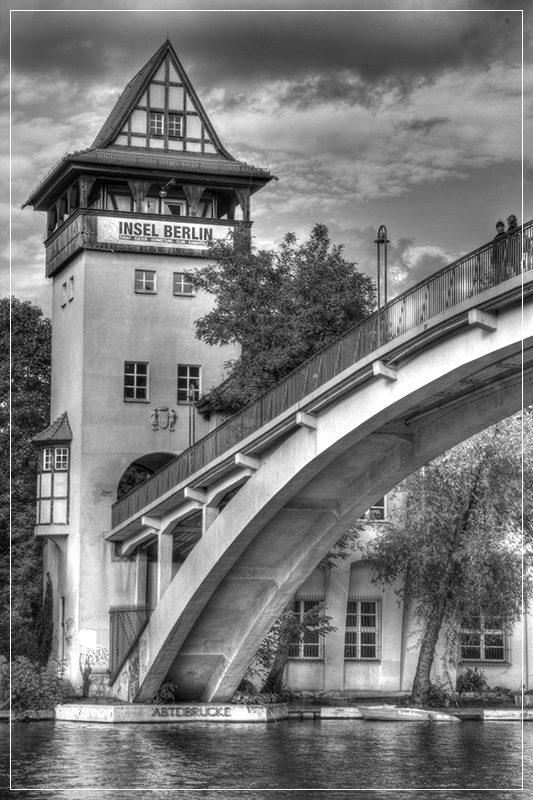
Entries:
{"x":167,"y":693}
{"x":455,"y":538}
{"x":439,"y":694}
{"x":4,"y":681}
{"x":271,"y":656}
{"x":471,"y":681}
{"x":33,"y":686}
{"x":345,"y":546}
{"x":86,"y":671}
{"x":281,"y":306}
{"x":25,"y":392}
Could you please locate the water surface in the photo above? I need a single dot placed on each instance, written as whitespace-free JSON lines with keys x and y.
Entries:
{"x":345,"y":758}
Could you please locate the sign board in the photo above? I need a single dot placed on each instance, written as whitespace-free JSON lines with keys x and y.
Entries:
{"x":161,"y":233}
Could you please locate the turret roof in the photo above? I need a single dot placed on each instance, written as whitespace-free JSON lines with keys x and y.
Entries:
{"x":58,"y":431}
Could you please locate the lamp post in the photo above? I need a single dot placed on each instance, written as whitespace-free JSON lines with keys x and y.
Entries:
{"x":381,"y":240}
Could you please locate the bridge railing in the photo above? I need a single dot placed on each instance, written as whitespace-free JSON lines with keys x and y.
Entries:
{"x":488,"y":266}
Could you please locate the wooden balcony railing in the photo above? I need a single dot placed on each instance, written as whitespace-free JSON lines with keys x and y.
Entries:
{"x":488,"y":266}
{"x":80,"y":231}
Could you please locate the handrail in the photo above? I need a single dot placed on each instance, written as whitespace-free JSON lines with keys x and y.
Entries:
{"x":474,"y":273}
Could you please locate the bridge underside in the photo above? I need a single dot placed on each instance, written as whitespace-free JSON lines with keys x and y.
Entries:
{"x":311,"y":485}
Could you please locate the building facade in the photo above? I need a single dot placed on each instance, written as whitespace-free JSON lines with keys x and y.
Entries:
{"x":374,"y":650}
{"x":127,"y":220}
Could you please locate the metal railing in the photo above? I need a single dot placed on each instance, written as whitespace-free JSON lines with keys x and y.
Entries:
{"x":126,"y":625}
{"x":488,"y":266}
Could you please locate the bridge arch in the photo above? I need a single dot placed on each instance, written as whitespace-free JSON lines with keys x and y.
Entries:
{"x":307,"y":486}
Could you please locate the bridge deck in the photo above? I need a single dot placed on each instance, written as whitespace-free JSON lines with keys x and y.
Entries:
{"x":489,"y":278}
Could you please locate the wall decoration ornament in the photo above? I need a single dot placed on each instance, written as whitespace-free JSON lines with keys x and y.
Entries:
{"x":163,"y":418}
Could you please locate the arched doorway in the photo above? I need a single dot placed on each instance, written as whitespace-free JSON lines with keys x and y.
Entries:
{"x":140,"y":470}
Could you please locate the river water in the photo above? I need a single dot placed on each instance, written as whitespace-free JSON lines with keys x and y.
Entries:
{"x":348,"y":758}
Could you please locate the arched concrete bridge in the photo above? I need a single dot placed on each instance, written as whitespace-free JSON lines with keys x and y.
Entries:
{"x":311,"y":470}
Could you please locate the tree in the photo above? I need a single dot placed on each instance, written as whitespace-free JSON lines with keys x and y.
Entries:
{"x":280,"y":306}
{"x":25,"y":335}
{"x":455,"y":539}
{"x":290,"y":627}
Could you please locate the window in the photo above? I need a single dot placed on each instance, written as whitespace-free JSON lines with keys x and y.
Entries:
{"x":182,"y":284}
{"x":63,"y":294}
{"x":174,"y":126}
{"x":484,"y":639}
{"x":61,"y":458}
{"x":53,"y":486}
{"x":71,"y":288}
{"x":145,"y":281}
{"x":307,"y":645}
{"x":188,"y":383}
{"x":136,"y":381}
{"x":376,"y":512}
{"x":156,"y":124}
{"x":363,"y":629}
{"x":173,"y":209}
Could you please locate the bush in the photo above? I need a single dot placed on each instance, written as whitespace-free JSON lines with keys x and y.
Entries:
{"x":33,"y":687}
{"x":471,"y":681}
{"x":438,"y":693}
{"x":167,"y":693}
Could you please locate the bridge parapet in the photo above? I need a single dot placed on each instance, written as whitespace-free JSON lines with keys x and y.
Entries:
{"x":472,"y":276}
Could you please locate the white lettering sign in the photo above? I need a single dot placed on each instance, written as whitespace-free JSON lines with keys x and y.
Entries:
{"x":162,"y":233}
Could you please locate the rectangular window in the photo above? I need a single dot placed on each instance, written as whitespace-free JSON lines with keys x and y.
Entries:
{"x":484,"y":639}
{"x":47,"y":458}
{"x":188,"y":383}
{"x":136,"y":381}
{"x":173,"y":209}
{"x":53,"y":487}
{"x":182,"y":284}
{"x":145,"y":281}
{"x":309,"y":644}
{"x":61,"y":458}
{"x":156,"y":124}
{"x":71,"y":289}
{"x":63,"y":294}
{"x":174,"y":126}
{"x":363,"y":629}
{"x":376,"y":512}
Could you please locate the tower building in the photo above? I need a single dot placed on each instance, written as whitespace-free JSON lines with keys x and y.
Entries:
{"x":127,"y":220}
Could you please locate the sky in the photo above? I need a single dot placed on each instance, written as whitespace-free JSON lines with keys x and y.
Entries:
{"x":404,"y":114}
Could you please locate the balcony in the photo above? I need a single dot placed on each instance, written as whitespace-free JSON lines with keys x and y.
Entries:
{"x":91,"y":229}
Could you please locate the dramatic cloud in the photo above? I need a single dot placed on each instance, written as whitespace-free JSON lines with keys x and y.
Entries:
{"x":363,"y":114}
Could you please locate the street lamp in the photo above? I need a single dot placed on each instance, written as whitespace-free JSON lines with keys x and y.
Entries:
{"x":382,"y":240}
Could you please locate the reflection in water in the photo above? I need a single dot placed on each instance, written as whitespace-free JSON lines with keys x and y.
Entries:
{"x":337,"y":755}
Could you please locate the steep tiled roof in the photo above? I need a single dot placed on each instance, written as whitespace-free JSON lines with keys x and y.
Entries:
{"x":58,"y":431}
{"x":127,"y":98}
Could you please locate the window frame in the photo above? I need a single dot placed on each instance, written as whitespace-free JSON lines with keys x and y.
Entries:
{"x":482,"y":631}
{"x":174,"y":118}
{"x":135,"y":386}
{"x":188,"y":377}
{"x":53,"y":493}
{"x":309,"y":646}
{"x":142,"y":288}
{"x":184,"y":282}
{"x":354,"y":634}
{"x":156,"y":125}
